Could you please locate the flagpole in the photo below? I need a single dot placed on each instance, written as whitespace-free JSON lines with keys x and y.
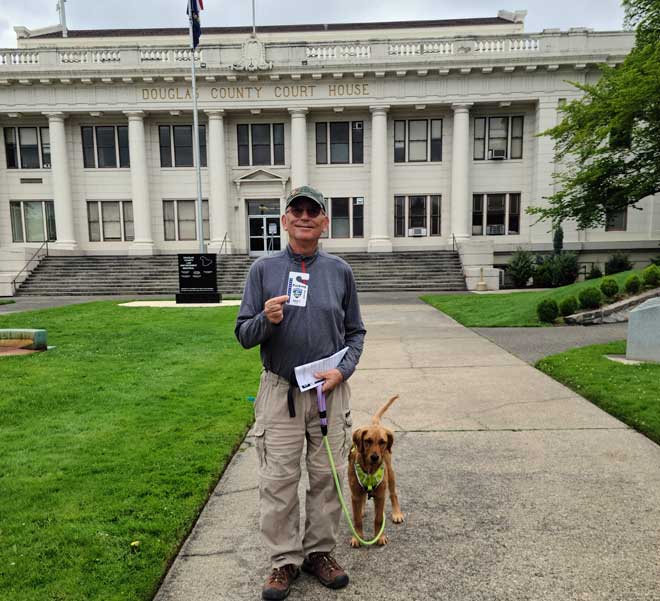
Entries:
{"x":196,"y":148}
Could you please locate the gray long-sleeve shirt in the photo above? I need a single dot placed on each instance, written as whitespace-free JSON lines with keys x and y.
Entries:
{"x":330,"y":320}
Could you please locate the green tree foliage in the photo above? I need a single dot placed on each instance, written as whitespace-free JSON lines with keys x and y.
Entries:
{"x":608,"y":142}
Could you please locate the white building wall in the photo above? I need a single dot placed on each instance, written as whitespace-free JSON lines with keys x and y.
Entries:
{"x":397,"y":72}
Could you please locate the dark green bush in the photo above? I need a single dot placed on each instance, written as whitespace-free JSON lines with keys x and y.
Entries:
{"x":568,"y":306}
{"x":565,"y":269}
{"x":595,"y":273}
{"x":651,"y":276}
{"x":590,"y":298}
{"x":547,"y":310}
{"x":521,"y":267}
{"x":558,"y":240}
{"x":656,"y":260}
{"x":609,"y":287}
{"x":617,"y":263}
{"x":556,"y":270}
{"x":542,"y":276}
{"x":633,"y":284}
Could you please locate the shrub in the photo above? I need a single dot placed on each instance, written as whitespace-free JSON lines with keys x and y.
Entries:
{"x":547,"y":310}
{"x":556,"y":270}
{"x":590,"y":298}
{"x":609,"y":287}
{"x":651,"y":276}
{"x":633,"y":284}
{"x":656,"y":260}
{"x":542,"y":276}
{"x":521,"y":267}
{"x":565,"y":269}
{"x":595,"y":273}
{"x":558,"y":240}
{"x":568,"y":306}
{"x":617,"y":263}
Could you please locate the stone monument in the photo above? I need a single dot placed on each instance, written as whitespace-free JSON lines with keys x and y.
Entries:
{"x":644,"y":332}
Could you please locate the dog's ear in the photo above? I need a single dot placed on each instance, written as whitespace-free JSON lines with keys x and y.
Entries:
{"x":390,"y":438}
{"x":358,"y":435}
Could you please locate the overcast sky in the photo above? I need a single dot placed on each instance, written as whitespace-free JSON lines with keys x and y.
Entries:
{"x":104,"y":14}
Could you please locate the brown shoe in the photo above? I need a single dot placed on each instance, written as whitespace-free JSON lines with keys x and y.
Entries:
{"x":278,"y":583}
{"x":326,"y":569}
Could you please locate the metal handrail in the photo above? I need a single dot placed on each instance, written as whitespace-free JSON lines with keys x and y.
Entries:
{"x":34,"y":256}
{"x":224,"y":240}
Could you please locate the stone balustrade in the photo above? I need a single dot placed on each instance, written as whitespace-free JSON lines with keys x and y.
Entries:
{"x":551,"y":47}
{"x":19,"y":57}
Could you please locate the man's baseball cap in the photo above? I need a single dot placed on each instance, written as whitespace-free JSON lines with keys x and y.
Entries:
{"x":306,"y":192}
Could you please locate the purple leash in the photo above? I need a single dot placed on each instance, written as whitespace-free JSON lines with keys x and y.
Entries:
{"x":323,"y":414}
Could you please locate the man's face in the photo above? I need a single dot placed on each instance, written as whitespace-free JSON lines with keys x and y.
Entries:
{"x":304,"y":221}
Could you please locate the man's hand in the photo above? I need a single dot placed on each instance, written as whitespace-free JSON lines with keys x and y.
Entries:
{"x":274,"y":310}
{"x":332,"y":377}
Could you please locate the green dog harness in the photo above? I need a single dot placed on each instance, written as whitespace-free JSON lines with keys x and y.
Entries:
{"x":369,"y":481}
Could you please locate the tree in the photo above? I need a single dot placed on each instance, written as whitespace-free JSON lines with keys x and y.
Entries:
{"x":608,"y":141}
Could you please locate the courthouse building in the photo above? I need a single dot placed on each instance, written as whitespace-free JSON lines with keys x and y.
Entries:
{"x":422,"y":135}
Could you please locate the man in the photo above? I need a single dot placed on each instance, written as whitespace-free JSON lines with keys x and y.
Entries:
{"x":301,"y":305}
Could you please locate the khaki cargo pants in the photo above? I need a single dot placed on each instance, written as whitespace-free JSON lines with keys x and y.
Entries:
{"x":280,"y":439}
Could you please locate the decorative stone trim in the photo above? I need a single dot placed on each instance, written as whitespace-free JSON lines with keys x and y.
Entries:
{"x":614,"y":313}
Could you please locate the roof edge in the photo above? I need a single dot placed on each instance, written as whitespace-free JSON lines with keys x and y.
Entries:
{"x":50,"y":32}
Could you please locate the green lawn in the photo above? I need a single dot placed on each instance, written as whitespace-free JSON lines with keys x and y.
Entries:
{"x":630,"y":393}
{"x":111,"y":443}
{"x":516,"y":309}
{"x":6,"y":301}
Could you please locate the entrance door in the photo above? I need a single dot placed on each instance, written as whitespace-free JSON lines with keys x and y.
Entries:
{"x":264,"y":226}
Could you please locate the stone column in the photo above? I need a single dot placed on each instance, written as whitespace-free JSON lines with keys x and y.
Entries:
{"x":218,"y":198}
{"x":299,"y":175}
{"x":143,"y":244}
{"x":379,"y":201}
{"x":62,"y":198}
{"x":544,"y":168}
{"x":460,"y":173}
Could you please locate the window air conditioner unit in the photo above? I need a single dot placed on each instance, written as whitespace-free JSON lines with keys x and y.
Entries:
{"x":498,"y":154}
{"x":417,"y":231}
{"x":495,"y":230}
{"x":357,"y":125}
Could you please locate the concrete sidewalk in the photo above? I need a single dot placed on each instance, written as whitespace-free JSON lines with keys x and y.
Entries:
{"x":513,"y":486}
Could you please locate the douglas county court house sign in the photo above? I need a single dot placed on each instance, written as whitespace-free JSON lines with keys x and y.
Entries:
{"x":239,"y":92}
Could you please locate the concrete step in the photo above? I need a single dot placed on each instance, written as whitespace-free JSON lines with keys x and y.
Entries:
{"x":95,"y":275}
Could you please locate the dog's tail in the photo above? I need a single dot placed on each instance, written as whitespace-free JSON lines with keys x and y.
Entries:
{"x":376,"y":418}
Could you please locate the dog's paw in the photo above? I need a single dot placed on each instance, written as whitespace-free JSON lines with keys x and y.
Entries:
{"x":382,"y":541}
{"x":397,"y":517}
{"x":355,"y":543}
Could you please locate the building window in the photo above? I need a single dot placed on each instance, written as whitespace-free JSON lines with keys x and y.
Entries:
{"x":616,"y":221}
{"x":497,"y":138}
{"x":418,"y":140}
{"x":260,"y":143}
{"x":496,"y":214}
{"x":110,"y":221}
{"x":176,"y":145}
{"x":105,"y":146}
{"x":27,"y":147}
{"x":32,"y":220}
{"x":417,"y":215}
{"x":346,"y":217}
{"x":180,"y":219}
{"x":339,"y":142}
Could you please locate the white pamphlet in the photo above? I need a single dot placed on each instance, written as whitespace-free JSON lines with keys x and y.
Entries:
{"x":305,"y":373}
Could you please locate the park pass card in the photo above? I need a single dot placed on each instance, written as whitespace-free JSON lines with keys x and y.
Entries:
{"x":297,"y":289}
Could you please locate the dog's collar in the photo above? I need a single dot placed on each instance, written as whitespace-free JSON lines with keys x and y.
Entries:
{"x":368,"y":481}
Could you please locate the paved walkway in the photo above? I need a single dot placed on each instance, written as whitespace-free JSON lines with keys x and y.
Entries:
{"x":513,"y":486}
{"x":532,"y":344}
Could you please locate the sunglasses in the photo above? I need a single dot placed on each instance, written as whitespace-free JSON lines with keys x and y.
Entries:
{"x":312,"y":211}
